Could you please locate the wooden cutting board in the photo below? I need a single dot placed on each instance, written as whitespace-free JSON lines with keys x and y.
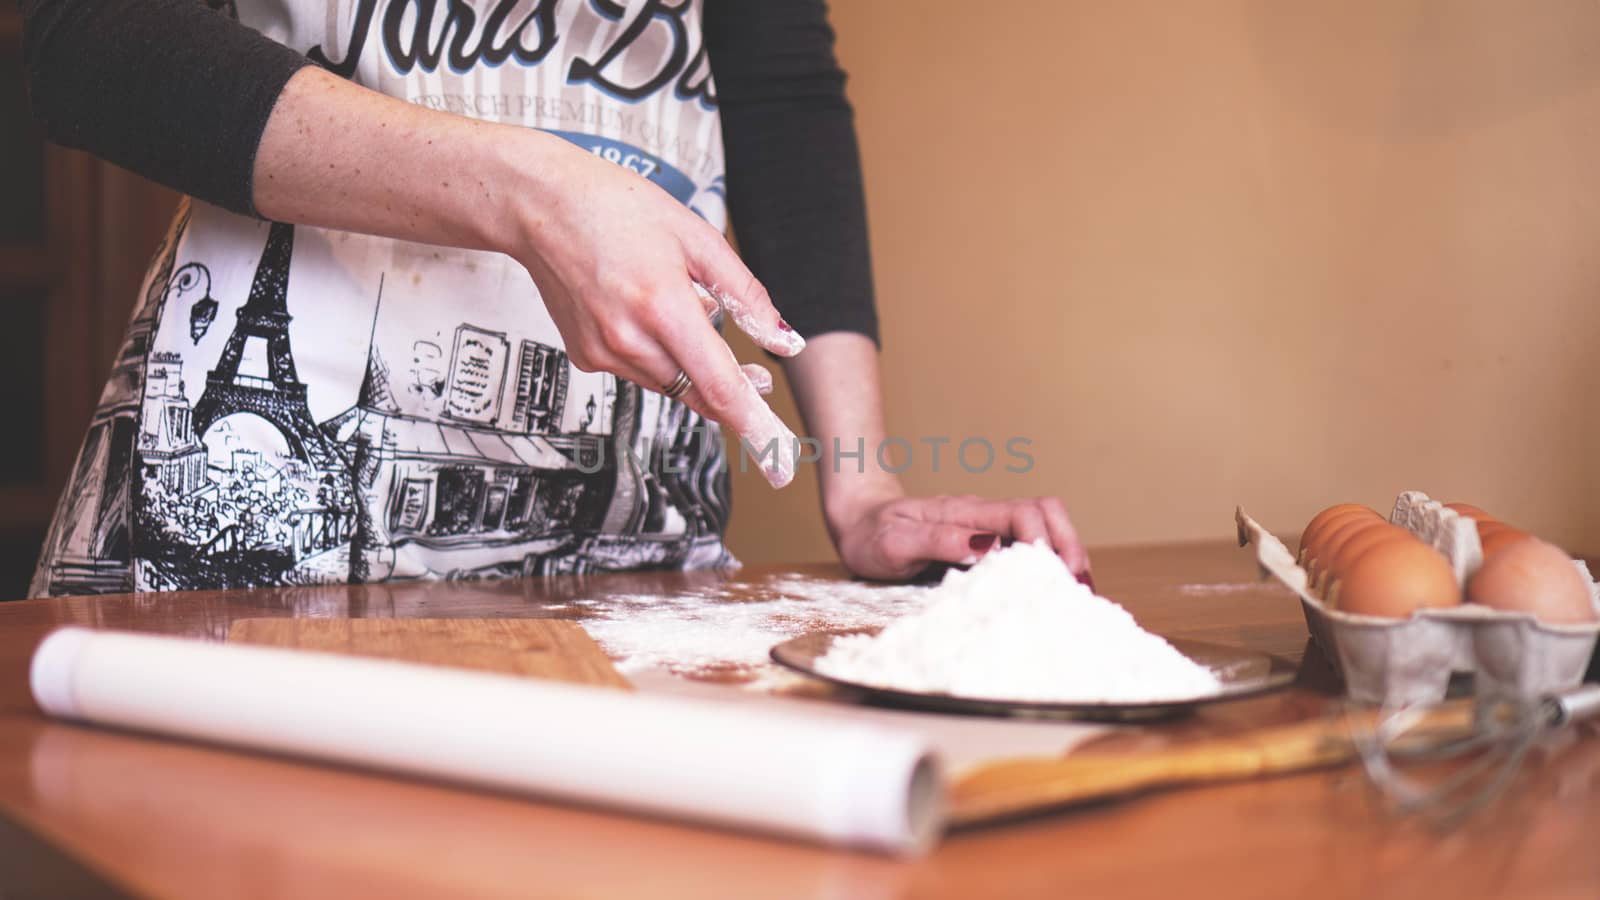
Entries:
{"x":536,"y":648}
{"x":1009,"y":788}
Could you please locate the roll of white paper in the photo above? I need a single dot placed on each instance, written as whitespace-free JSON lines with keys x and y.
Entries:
{"x":784,"y":772}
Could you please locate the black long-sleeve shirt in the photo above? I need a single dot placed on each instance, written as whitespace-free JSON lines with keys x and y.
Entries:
{"x":181,"y":94}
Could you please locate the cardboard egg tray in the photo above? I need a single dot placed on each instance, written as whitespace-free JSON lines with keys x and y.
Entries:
{"x":1410,"y":661}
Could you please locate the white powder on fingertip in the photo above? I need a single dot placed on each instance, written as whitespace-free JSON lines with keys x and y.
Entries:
{"x":1018,"y":626}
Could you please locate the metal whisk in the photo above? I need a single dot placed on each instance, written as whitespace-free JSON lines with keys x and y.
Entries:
{"x":1495,"y":739}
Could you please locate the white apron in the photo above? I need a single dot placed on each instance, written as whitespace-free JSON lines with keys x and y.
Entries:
{"x":301,"y":406}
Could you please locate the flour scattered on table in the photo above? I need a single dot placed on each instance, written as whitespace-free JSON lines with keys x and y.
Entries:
{"x":716,"y":630}
{"x":1018,"y":626}
{"x":1226,"y":588}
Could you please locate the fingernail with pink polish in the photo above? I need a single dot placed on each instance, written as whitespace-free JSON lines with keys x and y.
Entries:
{"x":1088,"y":580}
{"x":785,"y":327}
{"x":981,"y":543}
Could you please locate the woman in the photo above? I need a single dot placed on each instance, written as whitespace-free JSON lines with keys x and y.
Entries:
{"x":445,"y":301}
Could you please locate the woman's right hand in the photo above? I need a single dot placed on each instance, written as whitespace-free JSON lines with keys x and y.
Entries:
{"x":618,"y":261}
{"x":615,"y":257}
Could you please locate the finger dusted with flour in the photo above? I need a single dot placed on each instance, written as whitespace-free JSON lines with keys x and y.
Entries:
{"x":758,"y":376}
{"x":757,"y":318}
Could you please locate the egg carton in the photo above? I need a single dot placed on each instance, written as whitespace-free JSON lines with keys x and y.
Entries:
{"x":1410,"y":661}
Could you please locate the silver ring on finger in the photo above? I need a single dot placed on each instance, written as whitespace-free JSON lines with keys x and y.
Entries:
{"x":678,"y":386}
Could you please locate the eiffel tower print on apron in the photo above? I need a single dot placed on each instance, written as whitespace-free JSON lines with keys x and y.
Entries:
{"x":280,"y":398}
{"x":247,"y":518}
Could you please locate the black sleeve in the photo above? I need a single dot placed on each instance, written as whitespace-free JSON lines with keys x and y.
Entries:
{"x":794,"y":171}
{"x":165,"y":88}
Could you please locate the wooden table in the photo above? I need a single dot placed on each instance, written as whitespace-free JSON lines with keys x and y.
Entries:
{"x":85,"y":811}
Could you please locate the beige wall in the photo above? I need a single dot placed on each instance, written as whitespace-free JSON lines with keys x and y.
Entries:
{"x":1207,"y":253}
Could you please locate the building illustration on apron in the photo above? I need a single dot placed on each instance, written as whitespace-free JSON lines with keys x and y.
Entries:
{"x":373,"y":493}
{"x":294,"y":405}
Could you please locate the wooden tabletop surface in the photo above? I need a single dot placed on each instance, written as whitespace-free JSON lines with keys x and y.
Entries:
{"x":86,"y":811}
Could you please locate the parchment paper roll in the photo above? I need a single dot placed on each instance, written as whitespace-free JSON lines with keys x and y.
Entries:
{"x":786,"y":773}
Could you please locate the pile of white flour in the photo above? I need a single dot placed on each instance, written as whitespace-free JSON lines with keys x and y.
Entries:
{"x":1018,"y":626}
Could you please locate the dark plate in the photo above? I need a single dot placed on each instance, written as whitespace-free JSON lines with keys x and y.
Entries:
{"x":1243,"y":673}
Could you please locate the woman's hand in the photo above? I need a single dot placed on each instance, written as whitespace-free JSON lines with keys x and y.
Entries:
{"x":890,"y":537}
{"x":879,"y":531}
{"x":615,"y":258}
{"x":619,"y":263}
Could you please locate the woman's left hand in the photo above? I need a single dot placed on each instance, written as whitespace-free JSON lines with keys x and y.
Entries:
{"x":893,"y":537}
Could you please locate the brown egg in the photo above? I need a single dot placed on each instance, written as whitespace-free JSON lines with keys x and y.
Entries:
{"x":1536,"y":577}
{"x":1336,"y":523}
{"x":1327,"y":546}
{"x":1316,"y":556}
{"x":1352,"y":547}
{"x":1487,"y":530}
{"x":1323,"y":521}
{"x":1490,"y":527}
{"x":1345,"y":529}
{"x":1395,"y":579}
{"x":1499,"y":539}
{"x":1470,"y":511}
